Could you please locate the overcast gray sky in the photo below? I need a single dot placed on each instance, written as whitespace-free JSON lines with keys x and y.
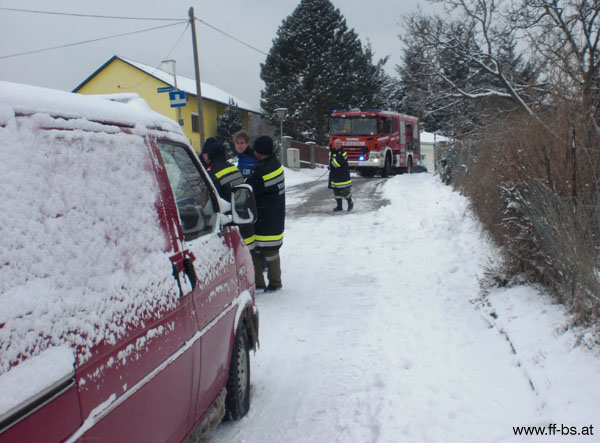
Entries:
{"x":224,"y":62}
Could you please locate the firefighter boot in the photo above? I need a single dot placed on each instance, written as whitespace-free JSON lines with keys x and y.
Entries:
{"x":259,"y":278}
{"x":339,"y":205}
{"x":274,"y":270}
{"x":350,"y":204}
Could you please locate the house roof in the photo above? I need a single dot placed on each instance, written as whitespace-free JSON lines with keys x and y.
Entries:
{"x":431,"y":138}
{"x":209,"y":92}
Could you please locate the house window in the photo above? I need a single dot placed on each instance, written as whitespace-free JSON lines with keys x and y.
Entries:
{"x":195,"y":126}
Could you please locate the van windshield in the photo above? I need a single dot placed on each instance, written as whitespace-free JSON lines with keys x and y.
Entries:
{"x":353,"y":126}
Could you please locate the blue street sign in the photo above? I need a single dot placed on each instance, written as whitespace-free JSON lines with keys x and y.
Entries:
{"x":177,"y":98}
{"x":165,"y":89}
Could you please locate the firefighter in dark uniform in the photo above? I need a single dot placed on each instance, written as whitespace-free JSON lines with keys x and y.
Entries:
{"x":203,"y":156}
{"x":339,"y":175}
{"x":224,"y":175}
{"x":267,"y":181}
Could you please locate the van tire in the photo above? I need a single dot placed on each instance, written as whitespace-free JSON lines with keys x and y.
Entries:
{"x":237,"y":401}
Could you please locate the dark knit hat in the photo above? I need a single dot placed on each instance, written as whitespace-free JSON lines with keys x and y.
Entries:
{"x":215,"y":150}
{"x":209,"y":141}
{"x":263,"y":145}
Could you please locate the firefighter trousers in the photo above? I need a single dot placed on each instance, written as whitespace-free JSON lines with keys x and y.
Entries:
{"x":271,"y":257}
{"x":346,"y":193}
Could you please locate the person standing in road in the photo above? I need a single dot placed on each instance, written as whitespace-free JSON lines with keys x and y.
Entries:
{"x":246,"y":159}
{"x":224,"y":175}
{"x":268,"y":182}
{"x":339,"y":176}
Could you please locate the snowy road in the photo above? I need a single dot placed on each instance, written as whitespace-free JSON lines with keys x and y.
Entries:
{"x":315,"y":199}
{"x":379,"y":334}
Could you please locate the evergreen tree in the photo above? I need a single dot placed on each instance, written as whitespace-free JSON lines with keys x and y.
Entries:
{"x":427,"y":73}
{"x":228,"y":124}
{"x":391,"y":96}
{"x":455,"y":79}
{"x":315,"y":65}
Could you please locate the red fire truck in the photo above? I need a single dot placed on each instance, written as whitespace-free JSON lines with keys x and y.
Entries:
{"x":377,"y":141}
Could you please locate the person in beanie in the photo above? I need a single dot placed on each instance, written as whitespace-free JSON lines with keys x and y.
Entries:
{"x":246,"y":160}
{"x":267,"y":181}
{"x":339,"y":176}
{"x":204,"y":153}
{"x":224,"y":175}
{"x":246,"y":163}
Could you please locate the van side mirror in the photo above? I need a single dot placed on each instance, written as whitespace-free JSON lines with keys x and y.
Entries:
{"x":243,"y":205}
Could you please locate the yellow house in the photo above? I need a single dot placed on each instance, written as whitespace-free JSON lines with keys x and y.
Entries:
{"x":120,"y":75}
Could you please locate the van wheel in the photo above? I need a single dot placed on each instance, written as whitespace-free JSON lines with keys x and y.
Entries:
{"x":237,"y":401}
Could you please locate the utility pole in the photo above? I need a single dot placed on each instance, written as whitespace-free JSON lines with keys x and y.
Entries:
{"x":198,"y":88}
{"x":574,"y":154}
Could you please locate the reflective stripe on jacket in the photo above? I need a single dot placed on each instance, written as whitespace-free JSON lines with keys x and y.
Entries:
{"x":339,"y":171}
{"x":247,"y":232}
{"x":268,"y":182}
{"x":225,"y":177}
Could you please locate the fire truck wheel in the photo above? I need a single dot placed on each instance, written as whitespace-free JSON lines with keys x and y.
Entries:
{"x":385,"y":172}
{"x":367,"y":172}
{"x":409,"y":166}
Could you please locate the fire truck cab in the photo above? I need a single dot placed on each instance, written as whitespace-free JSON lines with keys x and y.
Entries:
{"x":377,"y":141}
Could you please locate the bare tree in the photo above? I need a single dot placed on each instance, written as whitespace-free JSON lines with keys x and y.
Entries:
{"x":532,"y":178}
{"x":437,"y":80}
{"x":566,"y":36}
{"x":481,"y":38}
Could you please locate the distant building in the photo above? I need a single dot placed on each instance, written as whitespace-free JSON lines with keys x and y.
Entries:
{"x":428,"y":142}
{"x":120,"y":75}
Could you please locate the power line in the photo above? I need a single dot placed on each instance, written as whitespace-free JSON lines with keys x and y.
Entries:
{"x":88,"y":15}
{"x":156,"y":68}
{"x":92,"y":40}
{"x":231,"y":36}
{"x":118,"y":18}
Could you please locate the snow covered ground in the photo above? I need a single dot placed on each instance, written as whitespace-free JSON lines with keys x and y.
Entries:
{"x":381,"y":334}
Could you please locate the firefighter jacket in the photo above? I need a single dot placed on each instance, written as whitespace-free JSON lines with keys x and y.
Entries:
{"x":246,"y":162}
{"x":225,"y":177}
{"x":267,"y":181}
{"x":339,"y":171}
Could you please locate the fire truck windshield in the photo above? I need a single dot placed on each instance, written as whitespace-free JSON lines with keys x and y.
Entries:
{"x":353,"y":126}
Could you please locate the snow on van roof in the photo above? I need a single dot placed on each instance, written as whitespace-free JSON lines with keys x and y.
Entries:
{"x":26,"y":99}
{"x":81,"y":246}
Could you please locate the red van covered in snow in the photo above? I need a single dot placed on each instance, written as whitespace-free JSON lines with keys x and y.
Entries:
{"x":126,"y":292}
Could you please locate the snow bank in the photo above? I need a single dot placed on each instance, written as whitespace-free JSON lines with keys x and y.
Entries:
{"x":563,"y":372}
{"x":378,"y":333}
